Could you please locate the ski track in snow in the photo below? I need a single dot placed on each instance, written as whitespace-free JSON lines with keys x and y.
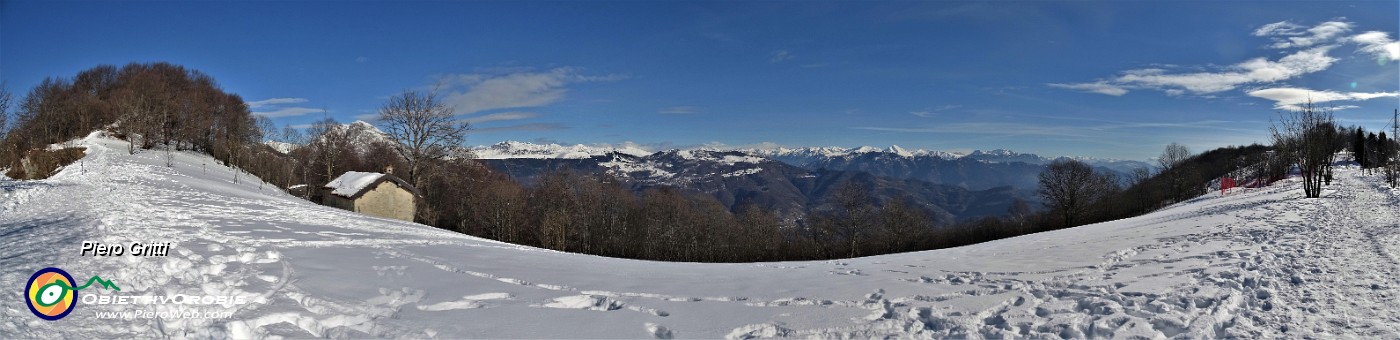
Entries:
{"x":1257,"y":263}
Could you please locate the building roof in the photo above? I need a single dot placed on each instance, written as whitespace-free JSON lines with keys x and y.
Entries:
{"x":353,"y":184}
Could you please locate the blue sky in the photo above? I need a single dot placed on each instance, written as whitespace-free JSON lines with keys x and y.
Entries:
{"x":1106,"y":79}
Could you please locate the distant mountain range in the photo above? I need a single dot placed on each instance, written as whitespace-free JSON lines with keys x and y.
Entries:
{"x":952,"y":186}
{"x":512,"y":149}
{"x":737,"y":179}
{"x":977,"y":170}
{"x":791,"y":181}
{"x":803,"y":156}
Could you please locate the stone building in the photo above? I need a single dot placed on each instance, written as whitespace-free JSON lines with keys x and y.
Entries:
{"x":372,"y":193}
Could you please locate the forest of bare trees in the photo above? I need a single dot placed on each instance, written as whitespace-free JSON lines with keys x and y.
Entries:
{"x":598,"y":214}
{"x":153,"y":106}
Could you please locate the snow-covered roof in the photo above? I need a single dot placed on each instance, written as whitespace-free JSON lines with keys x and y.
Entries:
{"x":352,"y":182}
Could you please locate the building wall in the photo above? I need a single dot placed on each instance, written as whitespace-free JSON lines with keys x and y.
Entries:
{"x":386,"y":200}
{"x":334,"y":200}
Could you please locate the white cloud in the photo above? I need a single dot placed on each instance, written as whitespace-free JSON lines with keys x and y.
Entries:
{"x":1288,"y":98}
{"x":1287,"y":35}
{"x":930,"y":112}
{"x":275,"y":101}
{"x":1253,"y":71}
{"x":1379,"y":44}
{"x":1279,"y":28}
{"x":679,"y":110}
{"x":286,"y":112}
{"x":780,"y":56}
{"x":1257,"y":70}
{"x":502,"y":116}
{"x":476,"y":92}
{"x":524,"y":127}
{"x":1101,"y":132}
{"x":1100,"y":87}
{"x":368,"y":117}
{"x":1312,"y":43}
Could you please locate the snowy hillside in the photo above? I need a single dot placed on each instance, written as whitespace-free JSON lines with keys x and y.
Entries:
{"x":1253,"y":264}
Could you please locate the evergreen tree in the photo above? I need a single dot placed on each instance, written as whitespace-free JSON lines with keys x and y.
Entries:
{"x":1383,"y":150}
{"x":1371,"y":153}
{"x":1358,"y":147}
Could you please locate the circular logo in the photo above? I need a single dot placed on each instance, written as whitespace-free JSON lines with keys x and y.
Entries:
{"x":50,"y":294}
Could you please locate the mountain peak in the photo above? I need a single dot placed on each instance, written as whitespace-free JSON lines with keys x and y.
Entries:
{"x":996,"y":152}
{"x":895,"y":149}
{"x":866,"y":149}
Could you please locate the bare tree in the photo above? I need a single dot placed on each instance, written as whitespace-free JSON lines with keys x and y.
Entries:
{"x":1308,"y":136}
{"x":329,"y":140}
{"x":1392,"y":172}
{"x":424,"y":128}
{"x":502,"y":214}
{"x":855,"y":215}
{"x":1138,"y":176}
{"x":5,"y":99}
{"x":1071,"y":188}
{"x":1172,"y":157}
{"x":266,"y":127}
{"x":291,"y":135}
{"x":904,"y":225}
{"x":762,"y":234}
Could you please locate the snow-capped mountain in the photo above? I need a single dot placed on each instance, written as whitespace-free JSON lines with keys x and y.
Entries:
{"x":282,"y":147}
{"x":797,"y":156}
{"x":1005,"y":156}
{"x":362,"y":134}
{"x":727,"y":173}
{"x":1008,"y":156}
{"x":811,"y":155}
{"x":800,"y":156}
{"x":513,"y":149}
{"x":737,"y":178}
{"x":359,"y":134}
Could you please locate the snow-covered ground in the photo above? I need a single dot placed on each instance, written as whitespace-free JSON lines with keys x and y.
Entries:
{"x":1259,"y":263}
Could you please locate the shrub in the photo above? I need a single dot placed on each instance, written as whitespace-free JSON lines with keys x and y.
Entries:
{"x":40,"y":163}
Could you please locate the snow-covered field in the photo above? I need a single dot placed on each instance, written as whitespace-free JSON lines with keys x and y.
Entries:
{"x":1253,"y":264}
